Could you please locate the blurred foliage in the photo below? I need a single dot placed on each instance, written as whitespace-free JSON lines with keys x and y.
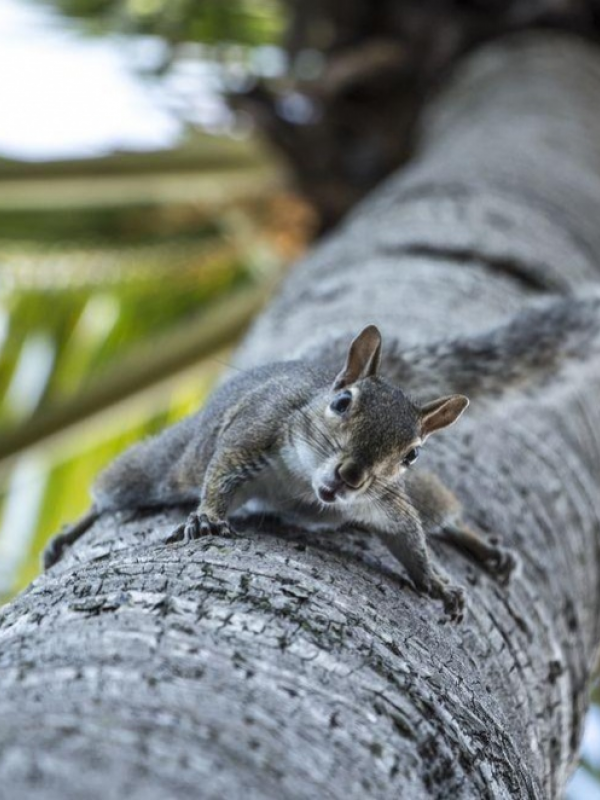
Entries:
{"x":212,"y":22}
{"x":102,"y":266}
{"x":109,"y":266}
{"x":81,"y":327}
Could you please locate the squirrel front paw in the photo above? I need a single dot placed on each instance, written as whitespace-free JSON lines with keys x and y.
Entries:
{"x":198,"y":525}
{"x":208,"y":526}
{"x":453,"y":598}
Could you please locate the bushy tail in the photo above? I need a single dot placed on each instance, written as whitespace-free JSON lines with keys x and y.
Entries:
{"x":532,"y":348}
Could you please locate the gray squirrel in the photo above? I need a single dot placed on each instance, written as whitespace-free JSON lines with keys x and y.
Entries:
{"x":338,"y":448}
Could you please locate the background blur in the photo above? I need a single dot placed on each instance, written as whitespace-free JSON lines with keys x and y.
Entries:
{"x":142,"y":225}
{"x":132,"y":201}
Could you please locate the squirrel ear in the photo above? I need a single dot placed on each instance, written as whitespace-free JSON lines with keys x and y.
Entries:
{"x":363,"y":358}
{"x":441,"y":412}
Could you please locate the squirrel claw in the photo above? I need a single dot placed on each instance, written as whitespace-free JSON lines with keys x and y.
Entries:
{"x":454,"y":604}
{"x":502,"y":563}
{"x":214,"y":527}
{"x":207,"y":526}
{"x":185,"y":533}
{"x":176,"y":535}
{"x":198,"y":525}
{"x":193,"y":528}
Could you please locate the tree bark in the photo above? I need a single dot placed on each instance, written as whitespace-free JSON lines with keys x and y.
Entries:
{"x":297,"y":664}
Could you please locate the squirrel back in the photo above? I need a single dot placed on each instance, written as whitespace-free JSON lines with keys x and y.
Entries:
{"x":535,"y":346}
{"x":532,"y":347}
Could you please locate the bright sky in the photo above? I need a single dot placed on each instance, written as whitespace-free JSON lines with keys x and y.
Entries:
{"x":62,"y":95}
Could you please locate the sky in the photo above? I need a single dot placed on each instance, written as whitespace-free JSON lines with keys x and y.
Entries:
{"x":64,"y":95}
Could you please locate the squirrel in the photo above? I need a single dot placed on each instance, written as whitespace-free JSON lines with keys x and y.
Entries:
{"x":340,"y":448}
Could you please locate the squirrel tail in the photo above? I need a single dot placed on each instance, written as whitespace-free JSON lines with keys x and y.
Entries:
{"x":532,"y":347}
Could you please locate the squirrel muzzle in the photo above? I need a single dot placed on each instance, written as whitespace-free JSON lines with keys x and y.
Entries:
{"x":346,"y":478}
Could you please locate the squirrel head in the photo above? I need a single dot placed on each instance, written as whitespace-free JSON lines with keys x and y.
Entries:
{"x":366,"y":431}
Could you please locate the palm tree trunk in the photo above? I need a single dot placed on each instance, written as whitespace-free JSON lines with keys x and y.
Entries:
{"x":295,"y":664}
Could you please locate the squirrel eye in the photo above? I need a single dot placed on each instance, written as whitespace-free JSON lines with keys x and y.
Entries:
{"x":411,"y":457}
{"x":341,"y":402}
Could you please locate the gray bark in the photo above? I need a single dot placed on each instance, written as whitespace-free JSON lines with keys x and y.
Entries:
{"x":298,"y":664}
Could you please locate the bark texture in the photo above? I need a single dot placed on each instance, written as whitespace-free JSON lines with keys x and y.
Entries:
{"x":295,"y":664}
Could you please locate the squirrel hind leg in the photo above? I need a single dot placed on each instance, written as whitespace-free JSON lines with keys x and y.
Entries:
{"x":411,"y":551}
{"x":452,"y":596}
{"x":55,"y":549}
{"x":498,"y":560}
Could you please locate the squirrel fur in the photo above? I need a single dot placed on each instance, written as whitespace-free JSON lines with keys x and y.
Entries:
{"x":305,"y":440}
{"x":339,"y":447}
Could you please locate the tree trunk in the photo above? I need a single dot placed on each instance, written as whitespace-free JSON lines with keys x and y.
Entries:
{"x":295,"y":664}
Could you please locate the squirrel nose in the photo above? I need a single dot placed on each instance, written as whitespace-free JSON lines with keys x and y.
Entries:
{"x":350,"y":474}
